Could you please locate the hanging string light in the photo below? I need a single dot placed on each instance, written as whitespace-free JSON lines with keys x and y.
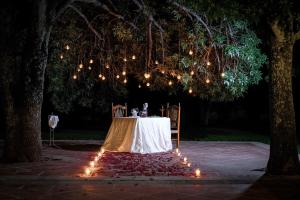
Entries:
{"x":90,"y":68}
{"x":147,"y":75}
{"x":61,"y":56}
{"x":91,"y":61}
{"x":148,"y":84}
{"x":191,"y":52}
{"x":124,"y":72}
{"x":125,"y":81}
{"x":170,"y":83}
{"x":208,"y":63}
{"x":107,"y":66}
{"x":80,"y":65}
{"x":118,"y":76}
{"x":192,"y":73}
{"x":190,"y":90}
{"x":78,"y":70}
{"x":156,"y":62}
{"x":100,"y":75}
{"x":67,"y":47}
{"x":133,"y":57}
{"x":139,"y":86}
{"x":222,"y":74}
{"x":74,"y":76}
{"x":103,"y":78}
{"x":207,"y":81}
{"x":163,"y":71}
{"x":178,"y":76}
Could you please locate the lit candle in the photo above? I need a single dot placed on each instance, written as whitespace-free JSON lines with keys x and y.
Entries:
{"x":78,"y":70}
{"x":87,"y":171}
{"x":92,"y":164}
{"x":197,"y":172}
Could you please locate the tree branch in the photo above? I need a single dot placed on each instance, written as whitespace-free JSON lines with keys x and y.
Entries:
{"x":87,"y":21}
{"x":199,"y":19}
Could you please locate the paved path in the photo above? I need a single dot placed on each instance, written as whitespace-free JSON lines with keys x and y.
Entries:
{"x":234,"y":171}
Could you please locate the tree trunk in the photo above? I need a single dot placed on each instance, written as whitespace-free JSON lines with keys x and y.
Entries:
{"x":24,"y":50}
{"x":283,"y":158}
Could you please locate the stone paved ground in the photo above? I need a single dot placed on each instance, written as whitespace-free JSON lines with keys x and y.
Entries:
{"x":234,"y":172}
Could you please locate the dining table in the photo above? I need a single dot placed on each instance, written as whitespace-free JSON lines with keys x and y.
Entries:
{"x":139,"y":135}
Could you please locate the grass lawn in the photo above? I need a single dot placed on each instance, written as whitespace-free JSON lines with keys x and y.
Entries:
{"x":208,"y":134}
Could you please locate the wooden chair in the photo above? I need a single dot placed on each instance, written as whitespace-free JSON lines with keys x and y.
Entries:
{"x":118,"y":110}
{"x":173,"y":112}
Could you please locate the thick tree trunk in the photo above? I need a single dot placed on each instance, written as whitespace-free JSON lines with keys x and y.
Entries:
{"x":24,"y":51}
{"x":283,"y":153}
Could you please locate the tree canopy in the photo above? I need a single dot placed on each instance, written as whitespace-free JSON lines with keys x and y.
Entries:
{"x":174,"y":48}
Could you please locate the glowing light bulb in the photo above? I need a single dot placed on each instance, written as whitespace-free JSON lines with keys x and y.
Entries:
{"x":78,"y":70}
{"x":190,"y":91}
{"x":148,"y":84}
{"x":61,"y":56}
{"x":90,"y":68}
{"x":147,"y":75}
{"x":100,"y":75}
{"x":107,"y":66}
{"x":92,"y":164}
{"x":91,"y":61}
{"x":170,"y":83}
{"x":189,"y":164}
{"x":156,"y":62}
{"x":125,"y":59}
{"x":124,"y":73}
{"x":208,"y":63}
{"x":67,"y":47}
{"x":75,"y":77}
{"x":103,"y":78}
{"x":192,"y":73}
{"x":87,"y":171}
{"x":222,"y":74}
{"x":195,"y":63}
{"x":125,"y":81}
{"x":133,"y":57}
{"x":207,"y":81}
{"x":80,"y":65}
{"x":118,"y":76}
{"x":191,"y":52}
{"x":163,"y":71}
{"x":139,"y":86}
{"x":197,"y":172}
{"x":178,"y":77}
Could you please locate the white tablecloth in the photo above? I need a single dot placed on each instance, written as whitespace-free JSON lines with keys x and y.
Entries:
{"x":139,"y":135}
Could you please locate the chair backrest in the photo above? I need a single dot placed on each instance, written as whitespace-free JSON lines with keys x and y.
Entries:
{"x":118,"y":110}
{"x":173,"y":112}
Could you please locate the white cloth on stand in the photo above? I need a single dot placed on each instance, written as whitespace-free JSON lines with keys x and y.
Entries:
{"x":139,"y":135}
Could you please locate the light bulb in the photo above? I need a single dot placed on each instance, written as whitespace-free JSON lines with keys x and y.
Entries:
{"x":139,"y":86}
{"x":170,"y":83}
{"x":118,"y":76}
{"x":147,"y":75}
{"x":102,"y":149}
{"x":80,"y":65}
{"x":124,"y":73}
{"x":190,"y":91}
{"x":78,"y":70}
{"x":100,"y":75}
{"x":107,"y":66}
{"x":189,"y":164}
{"x":222,"y":74}
{"x":103,"y":78}
{"x":207,"y":81}
{"x":67,"y":47}
{"x":148,"y":84}
{"x":191,"y":52}
{"x":178,"y":77}
{"x":163,"y":71}
{"x":192,"y":73}
{"x":75,"y":77}
{"x":91,"y":61}
{"x":125,"y":80}
{"x":177,"y":150}
{"x":197,"y":172}
{"x":156,"y":62}
{"x":61,"y":56}
{"x":208,"y":63}
{"x":133,"y":57}
{"x":90,"y":68}
{"x":125,"y":59}
{"x":99,"y":154}
{"x":96,"y":158}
